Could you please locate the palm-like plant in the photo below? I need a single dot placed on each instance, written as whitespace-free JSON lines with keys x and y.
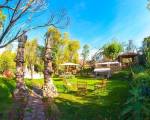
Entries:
{"x":136,"y":106}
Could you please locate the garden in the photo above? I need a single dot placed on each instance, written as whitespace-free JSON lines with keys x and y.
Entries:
{"x":46,"y":73}
{"x":112,"y":102}
{"x":95,"y":105}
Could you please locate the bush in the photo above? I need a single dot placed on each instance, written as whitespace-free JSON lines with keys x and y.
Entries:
{"x":86,"y":71}
{"x":137,"y":105}
{"x":138,"y":69}
{"x":8,"y":74}
{"x":142,"y":80}
{"x":7,"y":61}
{"x":142,"y":77}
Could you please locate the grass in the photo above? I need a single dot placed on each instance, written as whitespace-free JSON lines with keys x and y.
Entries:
{"x":94,"y":106}
{"x":6,"y":87}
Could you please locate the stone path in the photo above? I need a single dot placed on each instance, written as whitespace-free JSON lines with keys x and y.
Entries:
{"x":35,"y":108}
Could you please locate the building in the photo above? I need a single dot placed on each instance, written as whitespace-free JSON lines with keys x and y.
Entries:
{"x":128,"y":58}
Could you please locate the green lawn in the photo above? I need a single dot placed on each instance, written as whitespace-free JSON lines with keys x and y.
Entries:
{"x":6,"y":86}
{"x":94,"y":106}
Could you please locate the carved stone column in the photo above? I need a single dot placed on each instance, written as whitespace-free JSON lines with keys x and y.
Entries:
{"x":49,"y":90}
{"x":21,"y":89}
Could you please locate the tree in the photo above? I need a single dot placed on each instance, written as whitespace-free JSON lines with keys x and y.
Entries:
{"x":62,"y":48}
{"x":146,"y":50}
{"x":2,"y":19}
{"x":38,"y":66}
{"x":49,"y":89}
{"x":72,"y":49}
{"x":7,"y":60}
{"x":85,"y":53}
{"x":21,"y":92}
{"x":63,"y":53}
{"x":148,"y":4}
{"x":112,"y":49}
{"x":56,"y":44}
{"x":68,"y":49}
{"x":30,"y":55}
{"x":22,"y":13}
{"x":130,"y":46}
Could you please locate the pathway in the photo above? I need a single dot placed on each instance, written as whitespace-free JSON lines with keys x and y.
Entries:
{"x":35,"y":108}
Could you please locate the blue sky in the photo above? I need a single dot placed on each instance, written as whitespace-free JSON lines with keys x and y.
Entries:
{"x":97,"y":22}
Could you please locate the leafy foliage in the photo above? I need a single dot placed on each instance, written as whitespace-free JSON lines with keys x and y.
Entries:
{"x":56,"y":43}
{"x":85,"y":53}
{"x":30,"y":54}
{"x":7,"y":60}
{"x":73,"y":47}
{"x":2,"y":18}
{"x":148,"y":4}
{"x":64,"y":49}
{"x":137,"y":106}
{"x":38,"y":66}
{"x":146,"y":50}
{"x":112,"y":49}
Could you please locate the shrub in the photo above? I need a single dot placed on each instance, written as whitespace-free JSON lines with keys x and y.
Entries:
{"x":8,"y":74}
{"x":136,"y":107}
{"x":138,"y":69}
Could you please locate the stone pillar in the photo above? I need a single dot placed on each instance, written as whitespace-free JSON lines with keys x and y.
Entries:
{"x":21,"y":89}
{"x":49,"y":90}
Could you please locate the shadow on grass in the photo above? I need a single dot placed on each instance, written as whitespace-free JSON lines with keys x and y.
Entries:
{"x":123,"y":75}
{"x":95,"y":106}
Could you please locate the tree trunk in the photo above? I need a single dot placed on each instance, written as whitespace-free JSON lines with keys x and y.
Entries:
{"x":21,"y":89}
{"x":31,"y":74}
{"x":49,"y":90}
{"x":71,"y":57}
{"x":31,"y":71}
{"x":20,"y":94}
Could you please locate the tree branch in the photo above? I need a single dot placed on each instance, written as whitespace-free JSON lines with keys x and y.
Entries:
{"x":6,"y":7}
{"x":12,"y":40}
{"x":19,"y":16}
